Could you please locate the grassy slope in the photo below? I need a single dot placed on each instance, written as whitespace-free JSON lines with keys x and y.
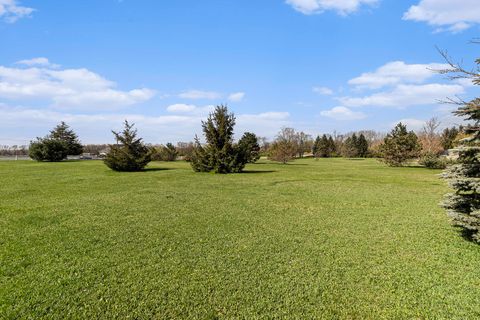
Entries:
{"x":333,"y":238}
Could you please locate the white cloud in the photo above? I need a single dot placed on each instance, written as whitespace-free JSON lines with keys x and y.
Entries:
{"x":446,"y":15}
{"x":412,"y":124}
{"x":95,"y":128}
{"x":342,"y":7}
{"x":236,"y":97}
{"x":11,"y":11}
{"x":181,"y":107}
{"x":199,"y":94}
{"x":397,"y":72}
{"x":323,"y":91}
{"x":68,"y":88}
{"x":41,"y":62}
{"x":406,"y":95}
{"x":343,"y":113}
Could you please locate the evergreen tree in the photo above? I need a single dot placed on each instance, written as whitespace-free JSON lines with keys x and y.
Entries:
{"x":463,"y":205}
{"x":399,"y":146}
{"x":324,"y":147}
{"x":316,"y":147}
{"x":249,"y":144}
{"x":219,"y":154}
{"x":448,"y":137}
{"x":61,"y":141}
{"x":129,"y":153}
{"x":63,"y":133}
{"x":350,"y":147}
{"x":362,"y":146}
{"x":332,"y":147}
{"x":48,"y":149}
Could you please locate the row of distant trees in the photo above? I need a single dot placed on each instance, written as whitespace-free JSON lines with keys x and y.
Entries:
{"x":222,"y":154}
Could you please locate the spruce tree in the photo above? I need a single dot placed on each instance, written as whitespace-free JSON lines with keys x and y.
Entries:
{"x":324,"y":148}
{"x":463,"y":205}
{"x":63,"y":133}
{"x":250,"y":147}
{"x":129,"y":153}
{"x":399,"y":146}
{"x":316,"y":147}
{"x":219,"y":154}
{"x":362,"y":146}
{"x":332,"y":147}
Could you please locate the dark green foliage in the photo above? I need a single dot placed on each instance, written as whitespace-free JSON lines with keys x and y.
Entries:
{"x":432,"y":160}
{"x":249,"y":144}
{"x":448,"y":137}
{"x":129,"y":153}
{"x":362,"y":146}
{"x":63,"y":133}
{"x":399,"y":146}
{"x":56,"y":146}
{"x":316,"y":146}
{"x":350,"y":146}
{"x":324,"y":147}
{"x":165,"y":153}
{"x":219,"y":154}
{"x":48,"y":149}
{"x":463,"y":205}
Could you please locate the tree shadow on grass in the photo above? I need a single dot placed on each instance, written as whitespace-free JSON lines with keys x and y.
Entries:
{"x":156,"y":169}
{"x":258,"y":171}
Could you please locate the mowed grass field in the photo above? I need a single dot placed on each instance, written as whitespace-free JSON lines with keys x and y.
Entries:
{"x":332,"y":239}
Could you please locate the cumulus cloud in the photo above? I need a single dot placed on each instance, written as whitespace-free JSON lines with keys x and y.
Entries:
{"x":343,"y":113}
{"x":11,"y":11}
{"x":406,"y":95}
{"x":41,"y":62}
{"x":446,"y":15}
{"x":323,"y":91}
{"x":397,"y":72}
{"x":236,"y":97}
{"x":412,"y":124}
{"x":199,"y":95}
{"x":68,"y":88}
{"x":95,"y":128}
{"x":181,"y":107}
{"x":342,"y":7}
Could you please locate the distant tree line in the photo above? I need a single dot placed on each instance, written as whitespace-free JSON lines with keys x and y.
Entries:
{"x":221,"y":154}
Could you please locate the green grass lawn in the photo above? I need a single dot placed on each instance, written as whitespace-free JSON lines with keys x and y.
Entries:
{"x":333,"y":238}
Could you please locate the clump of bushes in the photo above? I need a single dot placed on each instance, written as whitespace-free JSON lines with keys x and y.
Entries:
{"x":56,"y":146}
{"x":434,"y":161}
{"x":167,"y":152}
{"x":129,"y":153}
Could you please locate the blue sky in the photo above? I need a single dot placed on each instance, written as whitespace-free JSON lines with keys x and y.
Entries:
{"x":315,"y":65}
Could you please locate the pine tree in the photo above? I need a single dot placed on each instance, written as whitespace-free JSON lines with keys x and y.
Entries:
{"x":316,"y":147}
{"x":249,"y":144}
{"x":463,"y":206}
{"x":219,"y":154}
{"x":56,"y":146}
{"x":362,"y":146}
{"x":399,"y":146}
{"x":129,"y":153}
{"x":332,"y":147}
{"x":324,"y":147}
{"x":63,"y":133}
{"x":48,"y":149}
{"x":350,"y":147}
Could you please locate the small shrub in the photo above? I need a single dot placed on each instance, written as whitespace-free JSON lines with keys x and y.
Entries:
{"x":433,"y":161}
